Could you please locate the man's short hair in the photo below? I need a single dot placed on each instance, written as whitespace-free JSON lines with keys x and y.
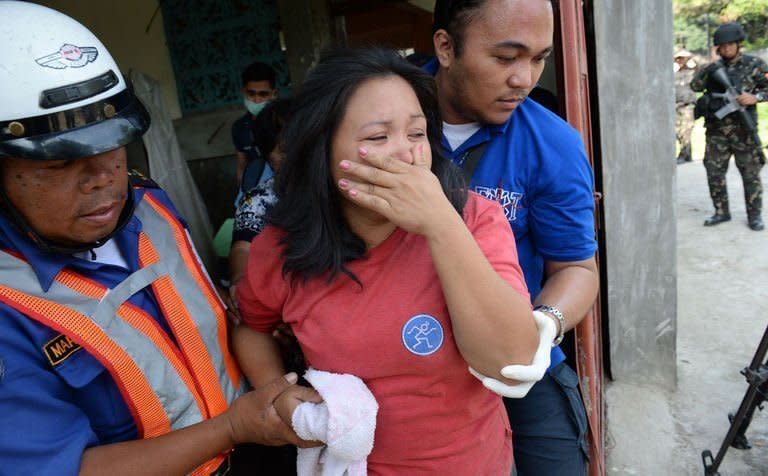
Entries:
{"x":453,"y":16}
{"x":259,"y":71}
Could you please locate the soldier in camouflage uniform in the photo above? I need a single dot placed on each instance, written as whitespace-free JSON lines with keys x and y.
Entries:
{"x":729,"y":136}
{"x":684,"y":100}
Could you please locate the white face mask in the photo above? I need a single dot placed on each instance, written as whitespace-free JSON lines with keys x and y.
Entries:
{"x":255,"y":107}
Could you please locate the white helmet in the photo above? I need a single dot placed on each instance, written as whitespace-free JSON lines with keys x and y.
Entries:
{"x":61,"y":94}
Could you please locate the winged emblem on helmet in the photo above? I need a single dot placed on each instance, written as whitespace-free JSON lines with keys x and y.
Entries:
{"x":69,"y":56}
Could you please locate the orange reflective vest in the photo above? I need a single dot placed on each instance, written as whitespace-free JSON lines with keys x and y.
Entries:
{"x":166,"y":385}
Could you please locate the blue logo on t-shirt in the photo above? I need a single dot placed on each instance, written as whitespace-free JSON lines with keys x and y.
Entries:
{"x":422,"y":334}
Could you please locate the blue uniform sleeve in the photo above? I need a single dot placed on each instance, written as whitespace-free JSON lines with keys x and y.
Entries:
{"x":43,"y":431}
{"x":562,"y":210}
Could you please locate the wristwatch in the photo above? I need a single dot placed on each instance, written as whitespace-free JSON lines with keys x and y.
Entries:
{"x":553,"y":311}
{"x":760,"y":97}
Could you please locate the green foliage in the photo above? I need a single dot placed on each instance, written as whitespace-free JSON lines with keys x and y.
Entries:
{"x":697,"y":7}
{"x":753,"y":15}
{"x":691,"y":21}
{"x":692,"y":34}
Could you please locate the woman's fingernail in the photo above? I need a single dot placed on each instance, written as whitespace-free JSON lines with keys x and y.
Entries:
{"x":343,"y":183}
{"x":345,"y":164}
{"x":291,"y":377}
{"x":362,"y":151}
{"x":353,"y":193}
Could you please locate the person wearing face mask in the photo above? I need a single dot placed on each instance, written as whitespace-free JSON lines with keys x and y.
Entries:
{"x":259,"y":89}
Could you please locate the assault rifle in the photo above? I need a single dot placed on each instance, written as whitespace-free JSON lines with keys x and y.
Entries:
{"x":757,"y":392}
{"x":732,"y":105}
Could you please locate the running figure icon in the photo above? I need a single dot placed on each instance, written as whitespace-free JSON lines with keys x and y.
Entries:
{"x":422,"y":335}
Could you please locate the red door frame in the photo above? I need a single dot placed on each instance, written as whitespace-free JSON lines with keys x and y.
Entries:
{"x":574,"y":83}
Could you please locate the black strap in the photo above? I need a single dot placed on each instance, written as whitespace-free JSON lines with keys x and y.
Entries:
{"x":471,"y":159}
{"x":253,"y":171}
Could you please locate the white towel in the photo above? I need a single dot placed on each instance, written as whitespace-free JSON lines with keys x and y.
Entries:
{"x":345,"y":422}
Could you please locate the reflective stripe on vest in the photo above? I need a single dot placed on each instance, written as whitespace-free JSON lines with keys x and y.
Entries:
{"x":165,"y":386}
{"x":202,"y":340}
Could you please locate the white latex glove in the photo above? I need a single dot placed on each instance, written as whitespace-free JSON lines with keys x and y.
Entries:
{"x":527,"y":375}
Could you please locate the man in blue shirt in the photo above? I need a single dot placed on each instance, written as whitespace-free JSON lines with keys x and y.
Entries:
{"x":490,"y":54}
{"x":113,"y":344}
{"x":259,"y":88}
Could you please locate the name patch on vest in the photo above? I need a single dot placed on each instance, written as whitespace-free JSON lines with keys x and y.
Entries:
{"x":59,"y":349}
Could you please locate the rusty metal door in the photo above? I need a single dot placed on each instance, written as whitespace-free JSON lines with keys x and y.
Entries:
{"x":574,"y":81}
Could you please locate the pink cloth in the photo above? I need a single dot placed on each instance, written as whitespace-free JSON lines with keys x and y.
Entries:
{"x":345,"y":422}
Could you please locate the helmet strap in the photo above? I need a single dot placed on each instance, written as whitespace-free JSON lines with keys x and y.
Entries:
{"x":7,"y":208}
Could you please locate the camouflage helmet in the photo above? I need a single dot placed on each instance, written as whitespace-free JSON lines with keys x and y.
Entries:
{"x":729,"y":32}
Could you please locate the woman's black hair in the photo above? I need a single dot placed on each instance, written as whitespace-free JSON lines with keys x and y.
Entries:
{"x":267,"y":126}
{"x":318,"y":240}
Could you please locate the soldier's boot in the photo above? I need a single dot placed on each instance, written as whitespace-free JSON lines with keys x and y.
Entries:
{"x":717,"y":218}
{"x":684,"y":155}
{"x":756,"y":223}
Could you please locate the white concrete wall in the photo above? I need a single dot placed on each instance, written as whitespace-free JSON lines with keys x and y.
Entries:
{"x":635,"y":92}
{"x":122,"y":27}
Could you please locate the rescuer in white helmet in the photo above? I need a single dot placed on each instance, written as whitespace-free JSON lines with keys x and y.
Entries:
{"x":113,"y":344}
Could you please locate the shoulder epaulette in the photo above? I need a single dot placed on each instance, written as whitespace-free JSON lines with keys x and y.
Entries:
{"x":137,"y":179}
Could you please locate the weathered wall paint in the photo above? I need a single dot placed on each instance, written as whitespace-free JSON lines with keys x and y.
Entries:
{"x":636,"y":106}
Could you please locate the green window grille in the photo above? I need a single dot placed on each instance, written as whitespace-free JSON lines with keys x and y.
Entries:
{"x":212,"y":41}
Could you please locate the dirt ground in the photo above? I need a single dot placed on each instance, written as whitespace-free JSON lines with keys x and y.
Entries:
{"x":722,"y":314}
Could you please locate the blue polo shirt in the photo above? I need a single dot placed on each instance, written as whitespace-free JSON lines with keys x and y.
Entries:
{"x":536,"y":167}
{"x":49,"y":414}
